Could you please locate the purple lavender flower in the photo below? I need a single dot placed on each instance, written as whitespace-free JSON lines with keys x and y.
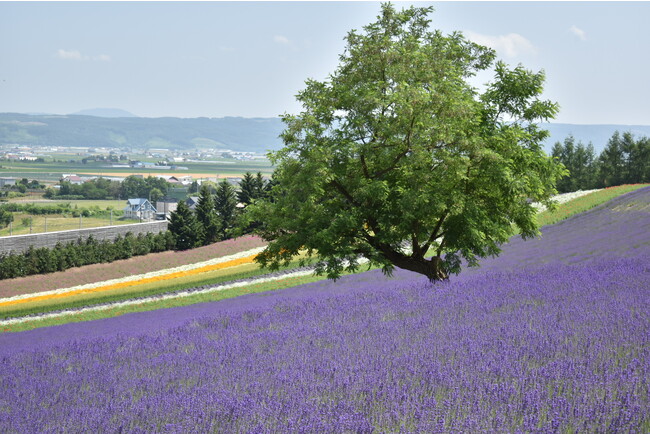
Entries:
{"x":554,"y":335}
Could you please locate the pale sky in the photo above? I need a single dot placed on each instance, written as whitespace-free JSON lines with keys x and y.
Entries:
{"x":215,"y":59}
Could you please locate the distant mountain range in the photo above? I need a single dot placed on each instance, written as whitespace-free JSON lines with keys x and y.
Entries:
{"x":106,"y":113}
{"x":117,"y":128}
{"x":237,"y":134}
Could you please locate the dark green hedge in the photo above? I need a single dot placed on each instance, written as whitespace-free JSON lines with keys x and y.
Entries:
{"x":82,"y":252}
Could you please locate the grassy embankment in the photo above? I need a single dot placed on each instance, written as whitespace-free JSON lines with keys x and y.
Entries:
{"x":585,"y":203}
{"x":564,"y":211}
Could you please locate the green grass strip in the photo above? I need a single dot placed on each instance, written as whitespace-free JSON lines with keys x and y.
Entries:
{"x":584,"y":203}
{"x":162,"y":304}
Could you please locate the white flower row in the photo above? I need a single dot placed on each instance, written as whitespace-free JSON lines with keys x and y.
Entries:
{"x":565,"y":197}
{"x":155,"y":298}
{"x":137,"y":277}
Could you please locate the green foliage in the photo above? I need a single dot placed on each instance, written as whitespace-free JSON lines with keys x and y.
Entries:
{"x":136,"y":187}
{"x":94,"y":189}
{"x":581,"y":162}
{"x":82,"y":252}
{"x":6,"y":217}
{"x":225,"y":205}
{"x":207,"y":216}
{"x":623,"y":161}
{"x":397,"y":153}
{"x":251,"y":188}
{"x":184,"y":227}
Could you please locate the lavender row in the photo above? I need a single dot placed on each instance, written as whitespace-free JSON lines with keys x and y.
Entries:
{"x":512,"y":346}
{"x":554,"y":348}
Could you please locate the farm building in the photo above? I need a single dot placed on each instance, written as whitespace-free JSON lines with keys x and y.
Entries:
{"x":4,"y":182}
{"x":164,"y":207}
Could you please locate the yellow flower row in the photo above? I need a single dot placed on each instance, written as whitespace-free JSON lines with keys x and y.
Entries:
{"x":177,"y":274}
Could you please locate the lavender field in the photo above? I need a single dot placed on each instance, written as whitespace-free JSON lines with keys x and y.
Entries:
{"x":552,"y":336}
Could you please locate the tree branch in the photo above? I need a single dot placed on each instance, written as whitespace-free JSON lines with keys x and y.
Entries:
{"x":434,"y":235}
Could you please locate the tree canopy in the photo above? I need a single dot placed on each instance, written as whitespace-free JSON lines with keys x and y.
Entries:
{"x":398,"y":159}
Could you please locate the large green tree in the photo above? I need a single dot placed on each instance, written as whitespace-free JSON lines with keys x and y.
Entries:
{"x":398,"y":159}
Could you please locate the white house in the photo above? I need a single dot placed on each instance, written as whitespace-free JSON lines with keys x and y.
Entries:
{"x":7,"y":182}
{"x":139,"y":209}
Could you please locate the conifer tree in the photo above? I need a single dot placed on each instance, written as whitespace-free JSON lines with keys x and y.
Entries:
{"x":207,"y":216}
{"x":611,"y":162}
{"x":184,"y":227}
{"x":247,"y":189}
{"x":225,"y":205}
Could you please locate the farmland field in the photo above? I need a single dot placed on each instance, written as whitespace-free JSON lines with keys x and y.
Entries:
{"x":52,"y":171}
{"x":552,"y":336}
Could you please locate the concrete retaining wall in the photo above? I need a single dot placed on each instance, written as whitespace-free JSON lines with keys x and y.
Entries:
{"x":21,"y":243}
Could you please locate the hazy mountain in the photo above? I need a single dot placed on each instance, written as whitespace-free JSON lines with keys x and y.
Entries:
{"x":106,"y":113}
{"x":240,"y":134}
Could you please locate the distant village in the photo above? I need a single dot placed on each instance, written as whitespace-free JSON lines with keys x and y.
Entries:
{"x":165,"y":159}
{"x":118,"y":157}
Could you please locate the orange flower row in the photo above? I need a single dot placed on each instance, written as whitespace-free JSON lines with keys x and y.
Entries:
{"x":175,"y":275}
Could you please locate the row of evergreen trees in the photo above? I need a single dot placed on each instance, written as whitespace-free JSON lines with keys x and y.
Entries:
{"x":82,"y":252}
{"x":215,"y":218}
{"x":625,"y":160}
{"x":217,"y":211}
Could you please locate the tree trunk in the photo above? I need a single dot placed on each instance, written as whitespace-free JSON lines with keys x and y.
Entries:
{"x":431,"y":268}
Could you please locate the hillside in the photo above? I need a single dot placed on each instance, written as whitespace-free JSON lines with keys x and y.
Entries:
{"x":104,"y":129}
{"x":238,"y":134}
{"x":616,"y":229}
{"x":553,"y":336}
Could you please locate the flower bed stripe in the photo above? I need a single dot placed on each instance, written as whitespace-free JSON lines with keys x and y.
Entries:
{"x":158,"y":298}
{"x":202,"y":267}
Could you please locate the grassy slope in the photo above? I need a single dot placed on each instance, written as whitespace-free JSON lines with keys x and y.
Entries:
{"x":564,"y":211}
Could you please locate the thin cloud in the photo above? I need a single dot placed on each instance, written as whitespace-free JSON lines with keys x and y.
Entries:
{"x":69,"y":54}
{"x":279,"y":39}
{"x":578,"y":32}
{"x":76,"y":55}
{"x":510,"y":45}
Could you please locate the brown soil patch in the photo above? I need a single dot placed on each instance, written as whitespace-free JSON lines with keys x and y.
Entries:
{"x":127,"y":267}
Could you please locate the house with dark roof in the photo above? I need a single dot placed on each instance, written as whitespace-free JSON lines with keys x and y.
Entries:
{"x":140,"y":209}
{"x":191,"y":202}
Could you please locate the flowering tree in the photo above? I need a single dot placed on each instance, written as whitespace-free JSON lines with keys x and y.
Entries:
{"x":398,"y":159}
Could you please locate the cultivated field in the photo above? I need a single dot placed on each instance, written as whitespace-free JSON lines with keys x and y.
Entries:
{"x":552,"y":336}
{"x":52,"y":171}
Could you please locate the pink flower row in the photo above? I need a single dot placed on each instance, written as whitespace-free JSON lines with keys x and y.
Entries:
{"x":128,"y":267}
